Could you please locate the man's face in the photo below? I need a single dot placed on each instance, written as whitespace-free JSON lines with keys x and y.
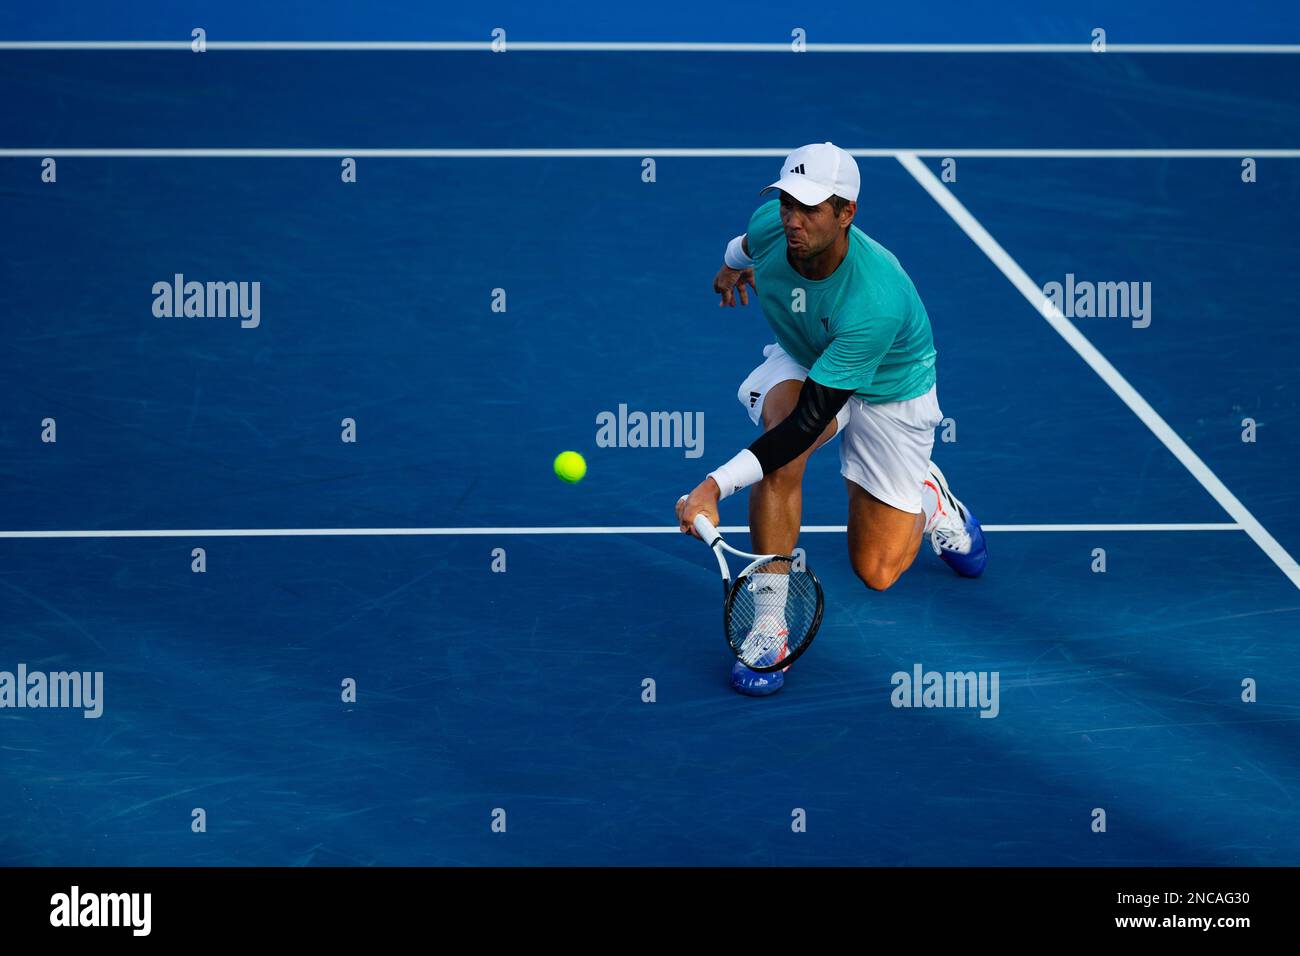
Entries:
{"x":810,"y":230}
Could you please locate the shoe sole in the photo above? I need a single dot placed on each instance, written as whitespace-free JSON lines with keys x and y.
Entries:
{"x":977,"y":547}
{"x":746,"y":692}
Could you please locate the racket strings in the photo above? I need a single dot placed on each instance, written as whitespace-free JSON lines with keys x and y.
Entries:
{"x":773,"y":611}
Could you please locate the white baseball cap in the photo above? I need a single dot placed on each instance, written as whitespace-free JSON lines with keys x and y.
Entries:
{"x":814,"y":173}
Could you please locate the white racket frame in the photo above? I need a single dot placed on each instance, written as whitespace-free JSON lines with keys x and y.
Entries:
{"x":713,"y":538}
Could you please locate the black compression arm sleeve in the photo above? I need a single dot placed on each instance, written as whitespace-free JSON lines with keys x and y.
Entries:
{"x":816,"y":408}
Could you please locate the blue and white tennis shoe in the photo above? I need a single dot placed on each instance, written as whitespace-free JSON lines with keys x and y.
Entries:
{"x":955,"y":534}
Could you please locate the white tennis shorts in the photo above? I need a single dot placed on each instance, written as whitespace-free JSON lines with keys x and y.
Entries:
{"x":884,"y":448}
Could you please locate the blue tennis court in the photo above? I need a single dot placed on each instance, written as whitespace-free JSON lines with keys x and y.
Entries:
{"x":499,"y":624}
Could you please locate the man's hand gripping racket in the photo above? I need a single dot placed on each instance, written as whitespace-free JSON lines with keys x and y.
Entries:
{"x":771,"y":613}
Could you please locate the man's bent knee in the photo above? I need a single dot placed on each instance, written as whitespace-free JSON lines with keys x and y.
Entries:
{"x":876,"y":573}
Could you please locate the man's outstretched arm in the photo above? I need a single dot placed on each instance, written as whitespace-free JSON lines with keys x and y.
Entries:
{"x":816,"y":408}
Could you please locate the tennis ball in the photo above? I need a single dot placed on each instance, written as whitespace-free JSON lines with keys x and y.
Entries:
{"x":570,"y":466}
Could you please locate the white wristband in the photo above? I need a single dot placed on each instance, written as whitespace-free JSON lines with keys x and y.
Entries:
{"x":741,"y":472}
{"x":735,"y":257}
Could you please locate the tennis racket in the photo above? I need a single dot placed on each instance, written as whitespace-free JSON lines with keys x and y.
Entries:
{"x":771,"y":612}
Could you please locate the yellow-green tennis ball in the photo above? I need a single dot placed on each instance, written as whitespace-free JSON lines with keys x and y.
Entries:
{"x":570,"y":466}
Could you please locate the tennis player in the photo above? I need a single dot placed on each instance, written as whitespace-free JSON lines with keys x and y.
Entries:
{"x":854,"y":357}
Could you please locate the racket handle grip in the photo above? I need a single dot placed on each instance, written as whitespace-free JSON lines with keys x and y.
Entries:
{"x":704,"y":528}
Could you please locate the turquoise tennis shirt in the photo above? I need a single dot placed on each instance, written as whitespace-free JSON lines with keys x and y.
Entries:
{"x":863,"y":327}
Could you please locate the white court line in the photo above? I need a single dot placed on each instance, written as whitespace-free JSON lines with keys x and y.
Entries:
{"x":629,"y":529}
{"x":903,"y":156}
{"x":673,"y":152}
{"x":613,"y":46}
{"x":1099,"y":364}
